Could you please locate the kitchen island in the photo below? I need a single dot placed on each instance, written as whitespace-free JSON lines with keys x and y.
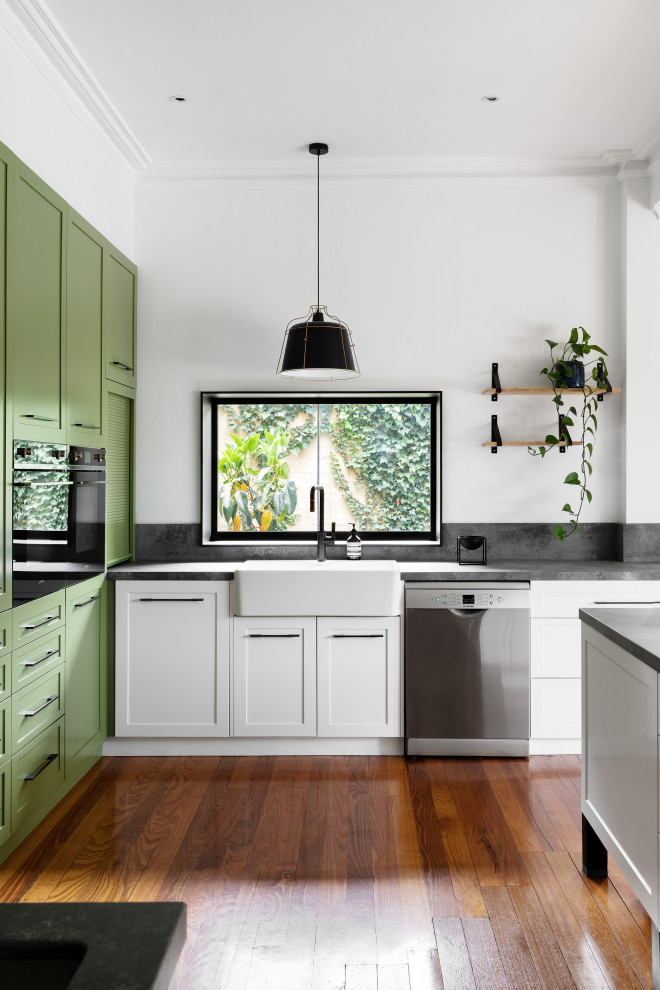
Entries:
{"x":620,"y":729}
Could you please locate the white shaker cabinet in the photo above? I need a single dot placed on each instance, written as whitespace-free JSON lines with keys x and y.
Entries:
{"x":359,"y":677}
{"x":555,"y":643}
{"x":172,"y":658}
{"x":274,"y":676}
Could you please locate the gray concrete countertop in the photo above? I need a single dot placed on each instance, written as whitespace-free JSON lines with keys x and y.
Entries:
{"x":635,"y":630}
{"x":128,"y":946}
{"x":513,"y":570}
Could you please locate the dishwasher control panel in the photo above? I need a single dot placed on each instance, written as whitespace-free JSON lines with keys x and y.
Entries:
{"x":424,"y":595}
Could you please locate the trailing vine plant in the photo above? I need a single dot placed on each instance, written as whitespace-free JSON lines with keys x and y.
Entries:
{"x":559,"y":370}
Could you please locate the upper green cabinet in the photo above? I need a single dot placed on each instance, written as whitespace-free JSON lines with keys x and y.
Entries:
{"x":36,"y":239}
{"x":84,"y":338}
{"x":119,"y":308}
{"x":5,"y":435}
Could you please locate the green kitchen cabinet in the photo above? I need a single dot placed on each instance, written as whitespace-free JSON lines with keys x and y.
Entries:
{"x":120,"y":466}
{"x":84,"y":339}
{"x":5,"y":801}
{"x":5,"y":405}
{"x":36,"y":306}
{"x":119,"y":317}
{"x":86,"y":694}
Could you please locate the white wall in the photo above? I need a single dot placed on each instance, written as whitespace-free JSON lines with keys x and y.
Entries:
{"x":436,"y":281}
{"x":44,"y":131}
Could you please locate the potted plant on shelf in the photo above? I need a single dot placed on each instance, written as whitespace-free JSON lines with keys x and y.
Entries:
{"x":570,"y":370}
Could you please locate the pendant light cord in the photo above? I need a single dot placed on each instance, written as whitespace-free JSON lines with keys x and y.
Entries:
{"x":318,"y":234}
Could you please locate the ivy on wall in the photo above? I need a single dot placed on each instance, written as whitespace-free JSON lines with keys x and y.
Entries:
{"x":380,"y":454}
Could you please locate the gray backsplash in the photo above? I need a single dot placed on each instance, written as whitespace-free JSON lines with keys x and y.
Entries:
{"x":506,"y":541}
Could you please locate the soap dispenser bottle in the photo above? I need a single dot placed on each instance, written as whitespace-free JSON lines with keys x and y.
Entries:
{"x":353,"y":545}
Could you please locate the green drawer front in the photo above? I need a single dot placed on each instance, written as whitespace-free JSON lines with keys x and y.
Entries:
{"x":5,"y":731}
{"x":35,"y":659}
{"x":37,"y":772}
{"x":5,"y":634}
{"x":5,"y":677}
{"x":36,"y":706}
{"x":5,"y":802}
{"x":35,"y":619}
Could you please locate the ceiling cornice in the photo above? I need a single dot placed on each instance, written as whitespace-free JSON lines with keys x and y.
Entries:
{"x":30,"y":25}
{"x":416,"y":171}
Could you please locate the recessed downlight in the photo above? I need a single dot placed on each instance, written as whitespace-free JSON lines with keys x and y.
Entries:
{"x":490,"y":99}
{"x":178,"y":99}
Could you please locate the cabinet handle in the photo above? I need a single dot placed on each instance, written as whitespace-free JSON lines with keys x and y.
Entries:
{"x":120,"y":364}
{"x":33,"y":663}
{"x":47,"y":762}
{"x":356,"y":635}
{"x":88,"y":482}
{"x":88,"y":602}
{"x":49,"y":618}
{"x":35,"y":711}
{"x":86,"y":426}
{"x":273,"y":635}
{"x":44,"y":419}
{"x":170,"y":599}
{"x":41,"y":484}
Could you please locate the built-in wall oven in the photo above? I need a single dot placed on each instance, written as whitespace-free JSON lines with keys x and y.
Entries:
{"x":58,"y":517}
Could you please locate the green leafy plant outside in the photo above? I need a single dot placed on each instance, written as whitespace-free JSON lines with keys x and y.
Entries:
{"x":577,"y":348}
{"x":256,"y":493}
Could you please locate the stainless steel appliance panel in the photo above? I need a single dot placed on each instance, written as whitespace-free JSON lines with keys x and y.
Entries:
{"x":467,"y":669}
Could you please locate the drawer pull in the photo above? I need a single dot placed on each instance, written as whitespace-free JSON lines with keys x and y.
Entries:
{"x":47,"y":762}
{"x":33,"y":663}
{"x":170,"y":599}
{"x":120,"y":364}
{"x":87,"y":426}
{"x":356,"y":635}
{"x":43,"y":419}
{"x":273,"y":635}
{"x":49,"y":618}
{"x":41,"y":484}
{"x":88,"y":602}
{"x":35,"y":711}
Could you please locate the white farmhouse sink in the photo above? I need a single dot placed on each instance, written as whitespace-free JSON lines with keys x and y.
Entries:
{"x":307,"y":587}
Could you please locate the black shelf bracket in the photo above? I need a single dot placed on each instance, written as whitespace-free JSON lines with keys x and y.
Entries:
{"x":564,"y":435}
{"x":602,"y":381}
{"x":495,"y":381}
{"x":495,"y":436}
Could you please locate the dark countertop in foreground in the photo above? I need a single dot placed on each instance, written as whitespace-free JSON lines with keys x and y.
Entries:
{"x":636,"y":630}
{"x":505,"y":570}
{"x":129,"y":946}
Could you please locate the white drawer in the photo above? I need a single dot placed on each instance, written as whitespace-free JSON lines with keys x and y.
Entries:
{"x":564,"y":599}
{"x":556,"y":647}
{"x":556,"y":708}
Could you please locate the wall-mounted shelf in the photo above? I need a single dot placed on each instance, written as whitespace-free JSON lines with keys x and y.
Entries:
{"x":496,"y":390}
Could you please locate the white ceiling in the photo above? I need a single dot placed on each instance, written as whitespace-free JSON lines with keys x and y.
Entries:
{"x":375,"y":79}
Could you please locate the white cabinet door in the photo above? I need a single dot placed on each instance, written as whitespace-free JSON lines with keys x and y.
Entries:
{"x":564,"y":599}
{"x":556,"y":647}
{"x":555,"y":708}
{"x":274,"y":676}
{"x":172,"y":658}
{"x":359,"y":677}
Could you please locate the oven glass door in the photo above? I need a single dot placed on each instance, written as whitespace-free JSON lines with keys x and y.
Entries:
{"x":40,"y":532}
{"x":86,"y":527}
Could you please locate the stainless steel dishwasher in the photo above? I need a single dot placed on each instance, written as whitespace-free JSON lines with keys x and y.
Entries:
{"x":467,"y":656}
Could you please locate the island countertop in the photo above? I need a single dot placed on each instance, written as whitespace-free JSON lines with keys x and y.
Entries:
{"x":635,"y":628}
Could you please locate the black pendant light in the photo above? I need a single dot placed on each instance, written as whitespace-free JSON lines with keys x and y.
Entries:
{"x":318,"y":346}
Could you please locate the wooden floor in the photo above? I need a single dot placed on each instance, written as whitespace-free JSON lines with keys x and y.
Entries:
{"x":365,"y":873}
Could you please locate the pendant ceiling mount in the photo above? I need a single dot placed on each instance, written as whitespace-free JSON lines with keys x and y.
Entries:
{"x":318,"y":346}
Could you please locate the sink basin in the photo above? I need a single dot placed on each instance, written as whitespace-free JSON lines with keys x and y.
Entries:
{"x":306,"y":587}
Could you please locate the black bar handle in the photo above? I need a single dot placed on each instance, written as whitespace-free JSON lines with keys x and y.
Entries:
{"x":47,"y":762}
{"x":44,"y":419}
{"x":35,"y":711}
{"x":87,"y":426}
{"x":33,"y":663}
{"x":88,"y":602}
{"x":170,"y":599}
{"x":120,"y":364}
{"x":49,"y":618}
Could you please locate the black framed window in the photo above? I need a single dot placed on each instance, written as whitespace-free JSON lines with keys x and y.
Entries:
{"x":376,"y":456}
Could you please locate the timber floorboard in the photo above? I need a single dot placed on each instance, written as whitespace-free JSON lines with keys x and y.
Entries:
{"x":348,"y":873}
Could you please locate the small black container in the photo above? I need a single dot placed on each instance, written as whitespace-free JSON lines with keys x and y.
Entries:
{"x":570,"y":379}
{"x":471,"y":544}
